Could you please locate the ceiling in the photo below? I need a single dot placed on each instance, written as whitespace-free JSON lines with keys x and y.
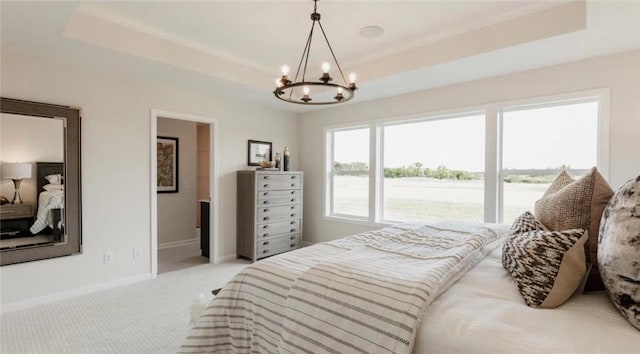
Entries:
{"x":235,"y":48}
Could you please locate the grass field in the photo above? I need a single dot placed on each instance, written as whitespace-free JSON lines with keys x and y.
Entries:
{"x":419,"y":198}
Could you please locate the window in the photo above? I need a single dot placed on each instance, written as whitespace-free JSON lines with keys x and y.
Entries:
{"x":537,"y":143}
{"x":490,"y":164}
{"x":434,"y":170}
{"x":350,"y":173}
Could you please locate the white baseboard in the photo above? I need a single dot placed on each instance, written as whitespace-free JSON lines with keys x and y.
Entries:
{"x":63,"y":295}
{"x":178,"y":243}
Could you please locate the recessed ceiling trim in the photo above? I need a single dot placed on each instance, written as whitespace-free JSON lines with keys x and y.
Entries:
{"x":103,"y":33}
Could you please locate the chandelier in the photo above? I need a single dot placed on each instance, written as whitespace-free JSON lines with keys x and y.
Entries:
{"x":300,"y":91}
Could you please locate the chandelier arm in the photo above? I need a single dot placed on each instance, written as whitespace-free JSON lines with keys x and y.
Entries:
{"x":306,"y":60}
{"x":332,"y":54}
{"x":305,"y":51}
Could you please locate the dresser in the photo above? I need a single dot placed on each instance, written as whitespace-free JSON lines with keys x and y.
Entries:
{"x":269,"y":213}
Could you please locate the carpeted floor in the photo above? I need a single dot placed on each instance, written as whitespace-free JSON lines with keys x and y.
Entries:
{"x":147,"y":317}
{"x":175,"y":258}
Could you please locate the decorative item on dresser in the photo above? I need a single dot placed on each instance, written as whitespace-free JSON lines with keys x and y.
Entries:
{"x":269,"y":213}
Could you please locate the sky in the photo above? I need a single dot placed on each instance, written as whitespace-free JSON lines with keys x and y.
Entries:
{"x":532,"y":138}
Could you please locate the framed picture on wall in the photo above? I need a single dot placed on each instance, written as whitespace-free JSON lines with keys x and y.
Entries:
{"x":167,"y":165}
{"x":259,"y":151}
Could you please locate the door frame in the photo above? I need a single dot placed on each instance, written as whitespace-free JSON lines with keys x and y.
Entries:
{"x":214,"y":257}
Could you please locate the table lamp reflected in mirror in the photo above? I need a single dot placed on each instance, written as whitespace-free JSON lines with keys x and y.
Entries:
{"x":17,"y":172}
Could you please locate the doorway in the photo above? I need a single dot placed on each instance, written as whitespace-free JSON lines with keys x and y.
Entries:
{"x":177,"y":236}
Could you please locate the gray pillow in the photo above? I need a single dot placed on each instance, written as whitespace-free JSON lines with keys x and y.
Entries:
{"x":619,"y":250}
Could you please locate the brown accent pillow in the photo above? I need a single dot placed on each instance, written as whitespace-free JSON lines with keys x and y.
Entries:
{"x":547,"y":266}
{"x":578,"y":204}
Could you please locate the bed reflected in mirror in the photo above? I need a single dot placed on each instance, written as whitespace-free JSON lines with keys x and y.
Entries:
{"x":32,"y":158}
{"x":40,"y":185}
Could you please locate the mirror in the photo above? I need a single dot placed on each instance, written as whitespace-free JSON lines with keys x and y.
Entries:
{"x":40,"y":215}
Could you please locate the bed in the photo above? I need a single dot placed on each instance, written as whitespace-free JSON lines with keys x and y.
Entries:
{"x":50,"y":203}
{"x":475,"y":308}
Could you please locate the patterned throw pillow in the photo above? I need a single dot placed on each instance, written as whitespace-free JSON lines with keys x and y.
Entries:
{"x":619,"y":250}
{"x":547,"y":266}
{"x":526,"y":222}
{"x":578,"y":204}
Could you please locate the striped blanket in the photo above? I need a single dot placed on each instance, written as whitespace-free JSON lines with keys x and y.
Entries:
{"x":361,"y":294}
{"x":46,"y":201}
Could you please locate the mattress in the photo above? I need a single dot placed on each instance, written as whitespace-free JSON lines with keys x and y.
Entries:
{"x":484,"y":313}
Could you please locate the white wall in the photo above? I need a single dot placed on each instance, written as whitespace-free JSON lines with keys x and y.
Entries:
{"x":620,"y":73}
{"x":177,"y":211}
{"x":116,"y":166}
{"x":29,"y":139}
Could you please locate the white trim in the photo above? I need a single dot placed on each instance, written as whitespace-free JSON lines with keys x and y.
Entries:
{"x":491,"y":162}
{"x":352,"y":220}
{"x":172,"y":244}
{"x":63,"y":295}
{"x":213,"y":182}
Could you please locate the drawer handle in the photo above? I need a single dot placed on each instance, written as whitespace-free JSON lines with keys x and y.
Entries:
{"x":293,"y":230}
{"x":293,"y":199}
{"x":265,"y":193}
{"x":265,"y":185}
{"x":292,"y":207}
{"x":293,"y":223}
{"x":265,"y":177}
{"x":292,"y":215}
{"x":293,"y":237}
{"x":293,"y":184}
{"x":265,"y":227}
{"x":293,"y":192}
{"x":265,"y":243}
{"x":293,"y":177}
{"x":265,"y":202}
{"x":265,"y":218}
{"x":266,"y":210}
{"x":265,"y":235}
{"x":292,"y":245}
{"x":265,"y":251}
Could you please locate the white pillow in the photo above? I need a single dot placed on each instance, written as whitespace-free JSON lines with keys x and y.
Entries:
{"x":54,"y":179}
{"x":53,"y":187}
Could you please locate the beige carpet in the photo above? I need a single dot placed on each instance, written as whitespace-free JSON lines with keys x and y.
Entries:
{"x":175,"y":258}
{"x":147,"y":317}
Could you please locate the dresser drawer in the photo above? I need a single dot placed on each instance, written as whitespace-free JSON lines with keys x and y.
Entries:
{"x":267,"y":214}
{"x":277,"y":245}
{"x":280,"y":200}
{"x":273,"y":229}
{"x":294,"y":193}
{"x":274,"y":181}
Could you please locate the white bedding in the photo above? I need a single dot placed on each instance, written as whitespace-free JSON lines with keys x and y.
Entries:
{"x":484,"y":313}
{"x":46,"y":201}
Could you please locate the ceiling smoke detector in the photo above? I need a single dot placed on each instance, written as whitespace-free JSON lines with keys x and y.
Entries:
{"x":371,"y":31}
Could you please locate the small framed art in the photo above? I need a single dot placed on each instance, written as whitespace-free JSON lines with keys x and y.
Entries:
{"x":258,"y":151}
{"x":167,"y":165}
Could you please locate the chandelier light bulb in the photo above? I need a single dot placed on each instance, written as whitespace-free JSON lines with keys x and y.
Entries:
{"x":326,"y":67}
{"x":306,"y":90}
{"x":285,"y":70}
{"x":278,"y":82}
{"x":352,"y":78}
{"x":340,"y":89}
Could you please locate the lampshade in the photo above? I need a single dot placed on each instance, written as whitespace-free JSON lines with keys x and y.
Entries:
{"x":17,"y":170}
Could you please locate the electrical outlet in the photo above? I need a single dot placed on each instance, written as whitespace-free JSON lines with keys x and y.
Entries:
{"x":136,"y":252}
{"x":108,"y":257}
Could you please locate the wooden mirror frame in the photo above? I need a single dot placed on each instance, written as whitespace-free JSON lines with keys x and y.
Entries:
{"x":73,"y":200}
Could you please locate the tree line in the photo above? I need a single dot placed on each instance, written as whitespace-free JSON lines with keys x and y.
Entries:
{"x":442,"y":172}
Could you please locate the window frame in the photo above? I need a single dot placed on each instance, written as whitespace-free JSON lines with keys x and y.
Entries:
{"x":493,"y":183}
